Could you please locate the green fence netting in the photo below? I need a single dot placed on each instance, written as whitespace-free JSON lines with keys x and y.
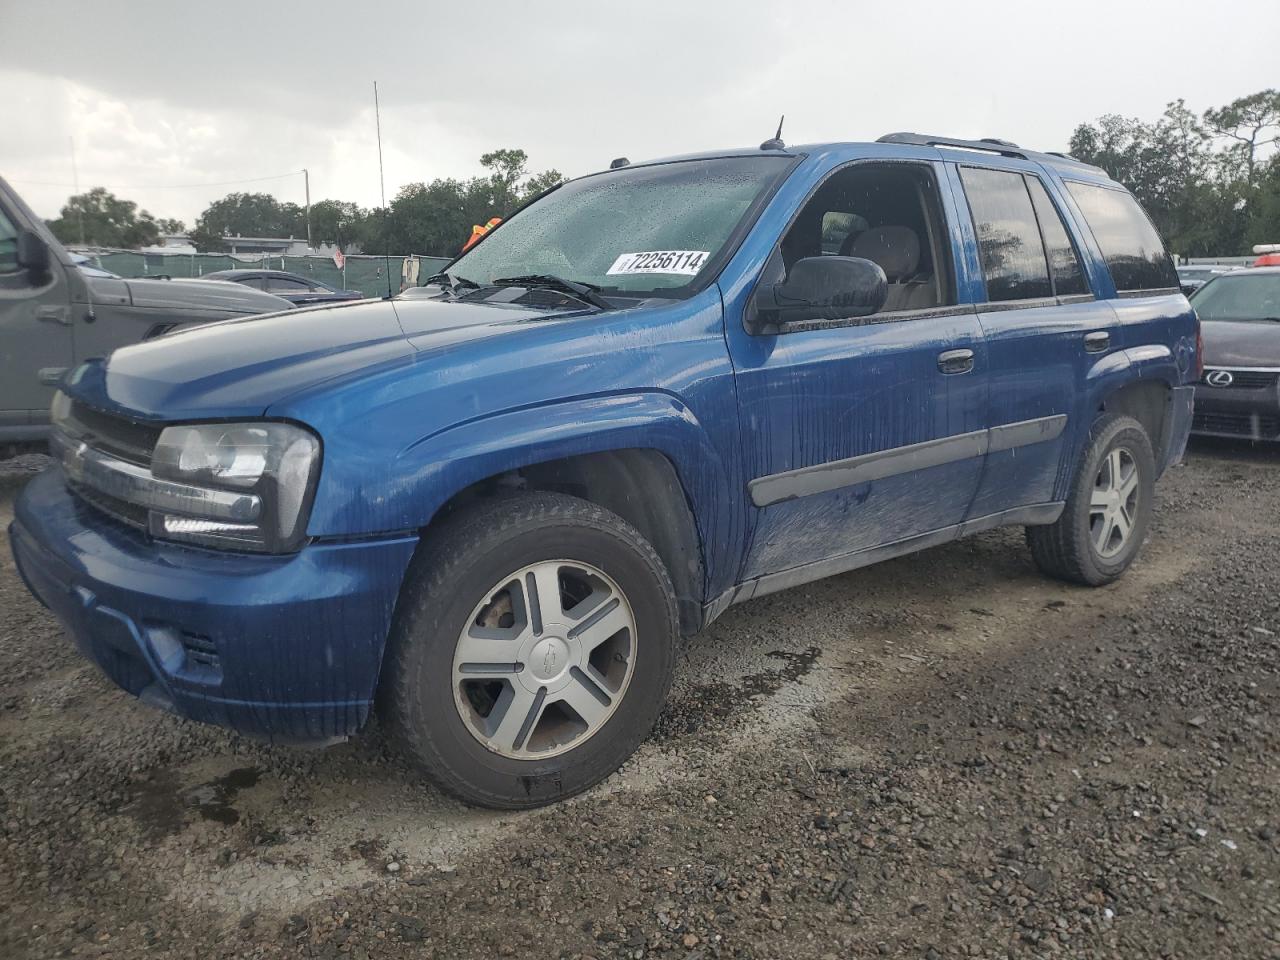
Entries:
{"x":364,"y":273}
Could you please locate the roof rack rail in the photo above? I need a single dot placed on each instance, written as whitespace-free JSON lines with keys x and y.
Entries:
{"x":988,"y":144}
{"x":1078,"y":162}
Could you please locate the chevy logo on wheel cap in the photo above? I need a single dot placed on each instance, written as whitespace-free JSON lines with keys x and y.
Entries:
{"x":1219,"y":378}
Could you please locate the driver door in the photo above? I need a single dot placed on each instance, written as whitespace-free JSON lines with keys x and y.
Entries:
{"x":35,"y":337}
{"x":863,"y":436}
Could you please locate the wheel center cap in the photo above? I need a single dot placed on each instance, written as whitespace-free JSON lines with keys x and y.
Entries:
{"x":549,"y":658}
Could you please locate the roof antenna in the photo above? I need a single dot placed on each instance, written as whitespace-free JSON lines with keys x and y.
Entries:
{"x":776,"y":143}
{"x":382,"y":186}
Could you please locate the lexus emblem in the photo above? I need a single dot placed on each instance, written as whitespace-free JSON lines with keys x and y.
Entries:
{"x":1219,"y":378}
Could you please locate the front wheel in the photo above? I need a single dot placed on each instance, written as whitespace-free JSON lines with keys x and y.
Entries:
{"x":1108,"y":507}
{"x":533,"y":650}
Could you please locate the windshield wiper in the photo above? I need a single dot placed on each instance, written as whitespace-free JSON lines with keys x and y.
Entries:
{"x":451,"y":283}
{"x":586,"y":292}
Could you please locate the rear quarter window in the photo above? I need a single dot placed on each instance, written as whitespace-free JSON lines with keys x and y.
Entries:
{"x":1130,"y":245}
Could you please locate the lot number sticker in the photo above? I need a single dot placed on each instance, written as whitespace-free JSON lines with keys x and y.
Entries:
{"x":686,"y":262}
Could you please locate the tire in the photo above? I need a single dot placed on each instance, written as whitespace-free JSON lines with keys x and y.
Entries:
{"x":449,"y":612}
{"x":1069,"y":548}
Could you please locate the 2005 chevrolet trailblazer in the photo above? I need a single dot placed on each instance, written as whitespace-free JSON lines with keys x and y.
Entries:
{"x":493,"y":505}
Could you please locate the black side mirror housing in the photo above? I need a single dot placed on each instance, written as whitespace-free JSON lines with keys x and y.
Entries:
{"x":824,"y":288}
{"x":33,"y":255}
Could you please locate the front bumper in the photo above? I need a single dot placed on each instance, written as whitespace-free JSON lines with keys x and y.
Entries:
{"x":282,"y":647}
{"x":1242,"y":413}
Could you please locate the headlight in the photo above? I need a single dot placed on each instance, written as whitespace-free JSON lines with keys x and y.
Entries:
{"x":276,"y":462}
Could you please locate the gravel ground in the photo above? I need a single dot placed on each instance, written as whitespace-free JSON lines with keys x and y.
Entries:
{"x":946,"y":755}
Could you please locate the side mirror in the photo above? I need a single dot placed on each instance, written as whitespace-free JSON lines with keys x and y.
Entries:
{"x":33,"y":255}
{"x":827,"y":288}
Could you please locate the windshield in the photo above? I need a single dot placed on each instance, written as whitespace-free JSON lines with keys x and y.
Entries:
{"x":1245,"y":297}
{"x":651,"y":230}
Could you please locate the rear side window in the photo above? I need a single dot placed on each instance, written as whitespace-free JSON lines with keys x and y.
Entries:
{"x":286,"y":285}
{"x":1009,"y":245}
{"x":1130,"y":245}
{"x":1064,"y":262}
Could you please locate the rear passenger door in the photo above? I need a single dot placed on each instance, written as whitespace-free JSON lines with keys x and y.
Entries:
{"x":1044,"y":329}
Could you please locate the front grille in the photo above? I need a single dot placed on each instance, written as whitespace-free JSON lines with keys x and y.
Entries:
{"x":1245,"y":379}
{"x":130,"y":440}
{"x":121,"y":510}
{"x":1249,"y":425}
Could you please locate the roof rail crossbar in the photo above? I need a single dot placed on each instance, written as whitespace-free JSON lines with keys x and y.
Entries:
{"x":988,"y":144}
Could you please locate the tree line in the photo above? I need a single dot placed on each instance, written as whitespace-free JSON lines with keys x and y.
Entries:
{"x":427,"y":218}
{"x":1211,"y":182}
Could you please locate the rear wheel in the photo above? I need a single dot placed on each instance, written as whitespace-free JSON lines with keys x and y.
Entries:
{"x":533,"y":650}
{"x":1108,"y":507}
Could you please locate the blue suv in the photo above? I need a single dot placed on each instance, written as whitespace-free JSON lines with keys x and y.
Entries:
{"x":492,"y":505}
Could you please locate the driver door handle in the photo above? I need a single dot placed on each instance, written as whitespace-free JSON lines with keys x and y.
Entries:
{"x":955,"y":361}
{"x":54,"y":314}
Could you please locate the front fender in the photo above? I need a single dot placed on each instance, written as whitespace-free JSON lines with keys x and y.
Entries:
{"x":407,"y":493}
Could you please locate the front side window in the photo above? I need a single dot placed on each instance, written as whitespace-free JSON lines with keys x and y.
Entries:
{"x":886,"y":213}
{"x":1009,"y":244}
{"x":1129,"y":242}
{"x":8,"y":245}
{"x":646,"y":230}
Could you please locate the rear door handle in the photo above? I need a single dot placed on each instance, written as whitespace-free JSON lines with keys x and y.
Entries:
{"x":955,"y":361}
{"x":1097,"y":341}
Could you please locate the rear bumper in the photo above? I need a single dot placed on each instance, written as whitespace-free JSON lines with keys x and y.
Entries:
{"x":287,"y":648}
{"x":1175,"y":445}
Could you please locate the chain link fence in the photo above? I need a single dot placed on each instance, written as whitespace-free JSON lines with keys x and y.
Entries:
{"x":368,"y":274}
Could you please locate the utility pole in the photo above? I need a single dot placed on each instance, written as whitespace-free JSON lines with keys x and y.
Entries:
{"x":306,"y":179}
{"x":75,"y":180}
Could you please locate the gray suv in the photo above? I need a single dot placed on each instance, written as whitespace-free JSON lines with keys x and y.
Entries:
{"x":53,"y":315}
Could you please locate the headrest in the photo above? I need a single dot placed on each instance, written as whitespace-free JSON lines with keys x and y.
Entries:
{"x":895,"y":249}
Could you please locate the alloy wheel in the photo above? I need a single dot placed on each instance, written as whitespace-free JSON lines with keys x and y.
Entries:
{"x":544,"y":660}
{"x":1113,"y":505}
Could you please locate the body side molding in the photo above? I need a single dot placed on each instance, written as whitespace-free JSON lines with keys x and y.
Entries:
{"x":1030,"y":515}
{"x":823,"y":477}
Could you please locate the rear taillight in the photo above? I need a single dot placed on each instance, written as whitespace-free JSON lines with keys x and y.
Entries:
{"x":1199,"y":352}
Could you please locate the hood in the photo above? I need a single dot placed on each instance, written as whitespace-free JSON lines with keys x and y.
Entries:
{"x":205,"y":295}
{"x":240,"y":367}
{"x":1231,"y":343}
{"x":182,"y":296}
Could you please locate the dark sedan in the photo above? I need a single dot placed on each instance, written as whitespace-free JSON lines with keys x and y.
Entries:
{"x":1191,"y":277}
{"x":1239,"y":395}
{"x":293,"y":287}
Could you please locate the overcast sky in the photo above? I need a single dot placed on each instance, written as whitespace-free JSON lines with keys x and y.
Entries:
{"x":161,"y":94}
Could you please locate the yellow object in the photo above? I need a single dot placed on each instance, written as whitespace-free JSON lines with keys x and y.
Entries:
{"x":478,"y":231}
